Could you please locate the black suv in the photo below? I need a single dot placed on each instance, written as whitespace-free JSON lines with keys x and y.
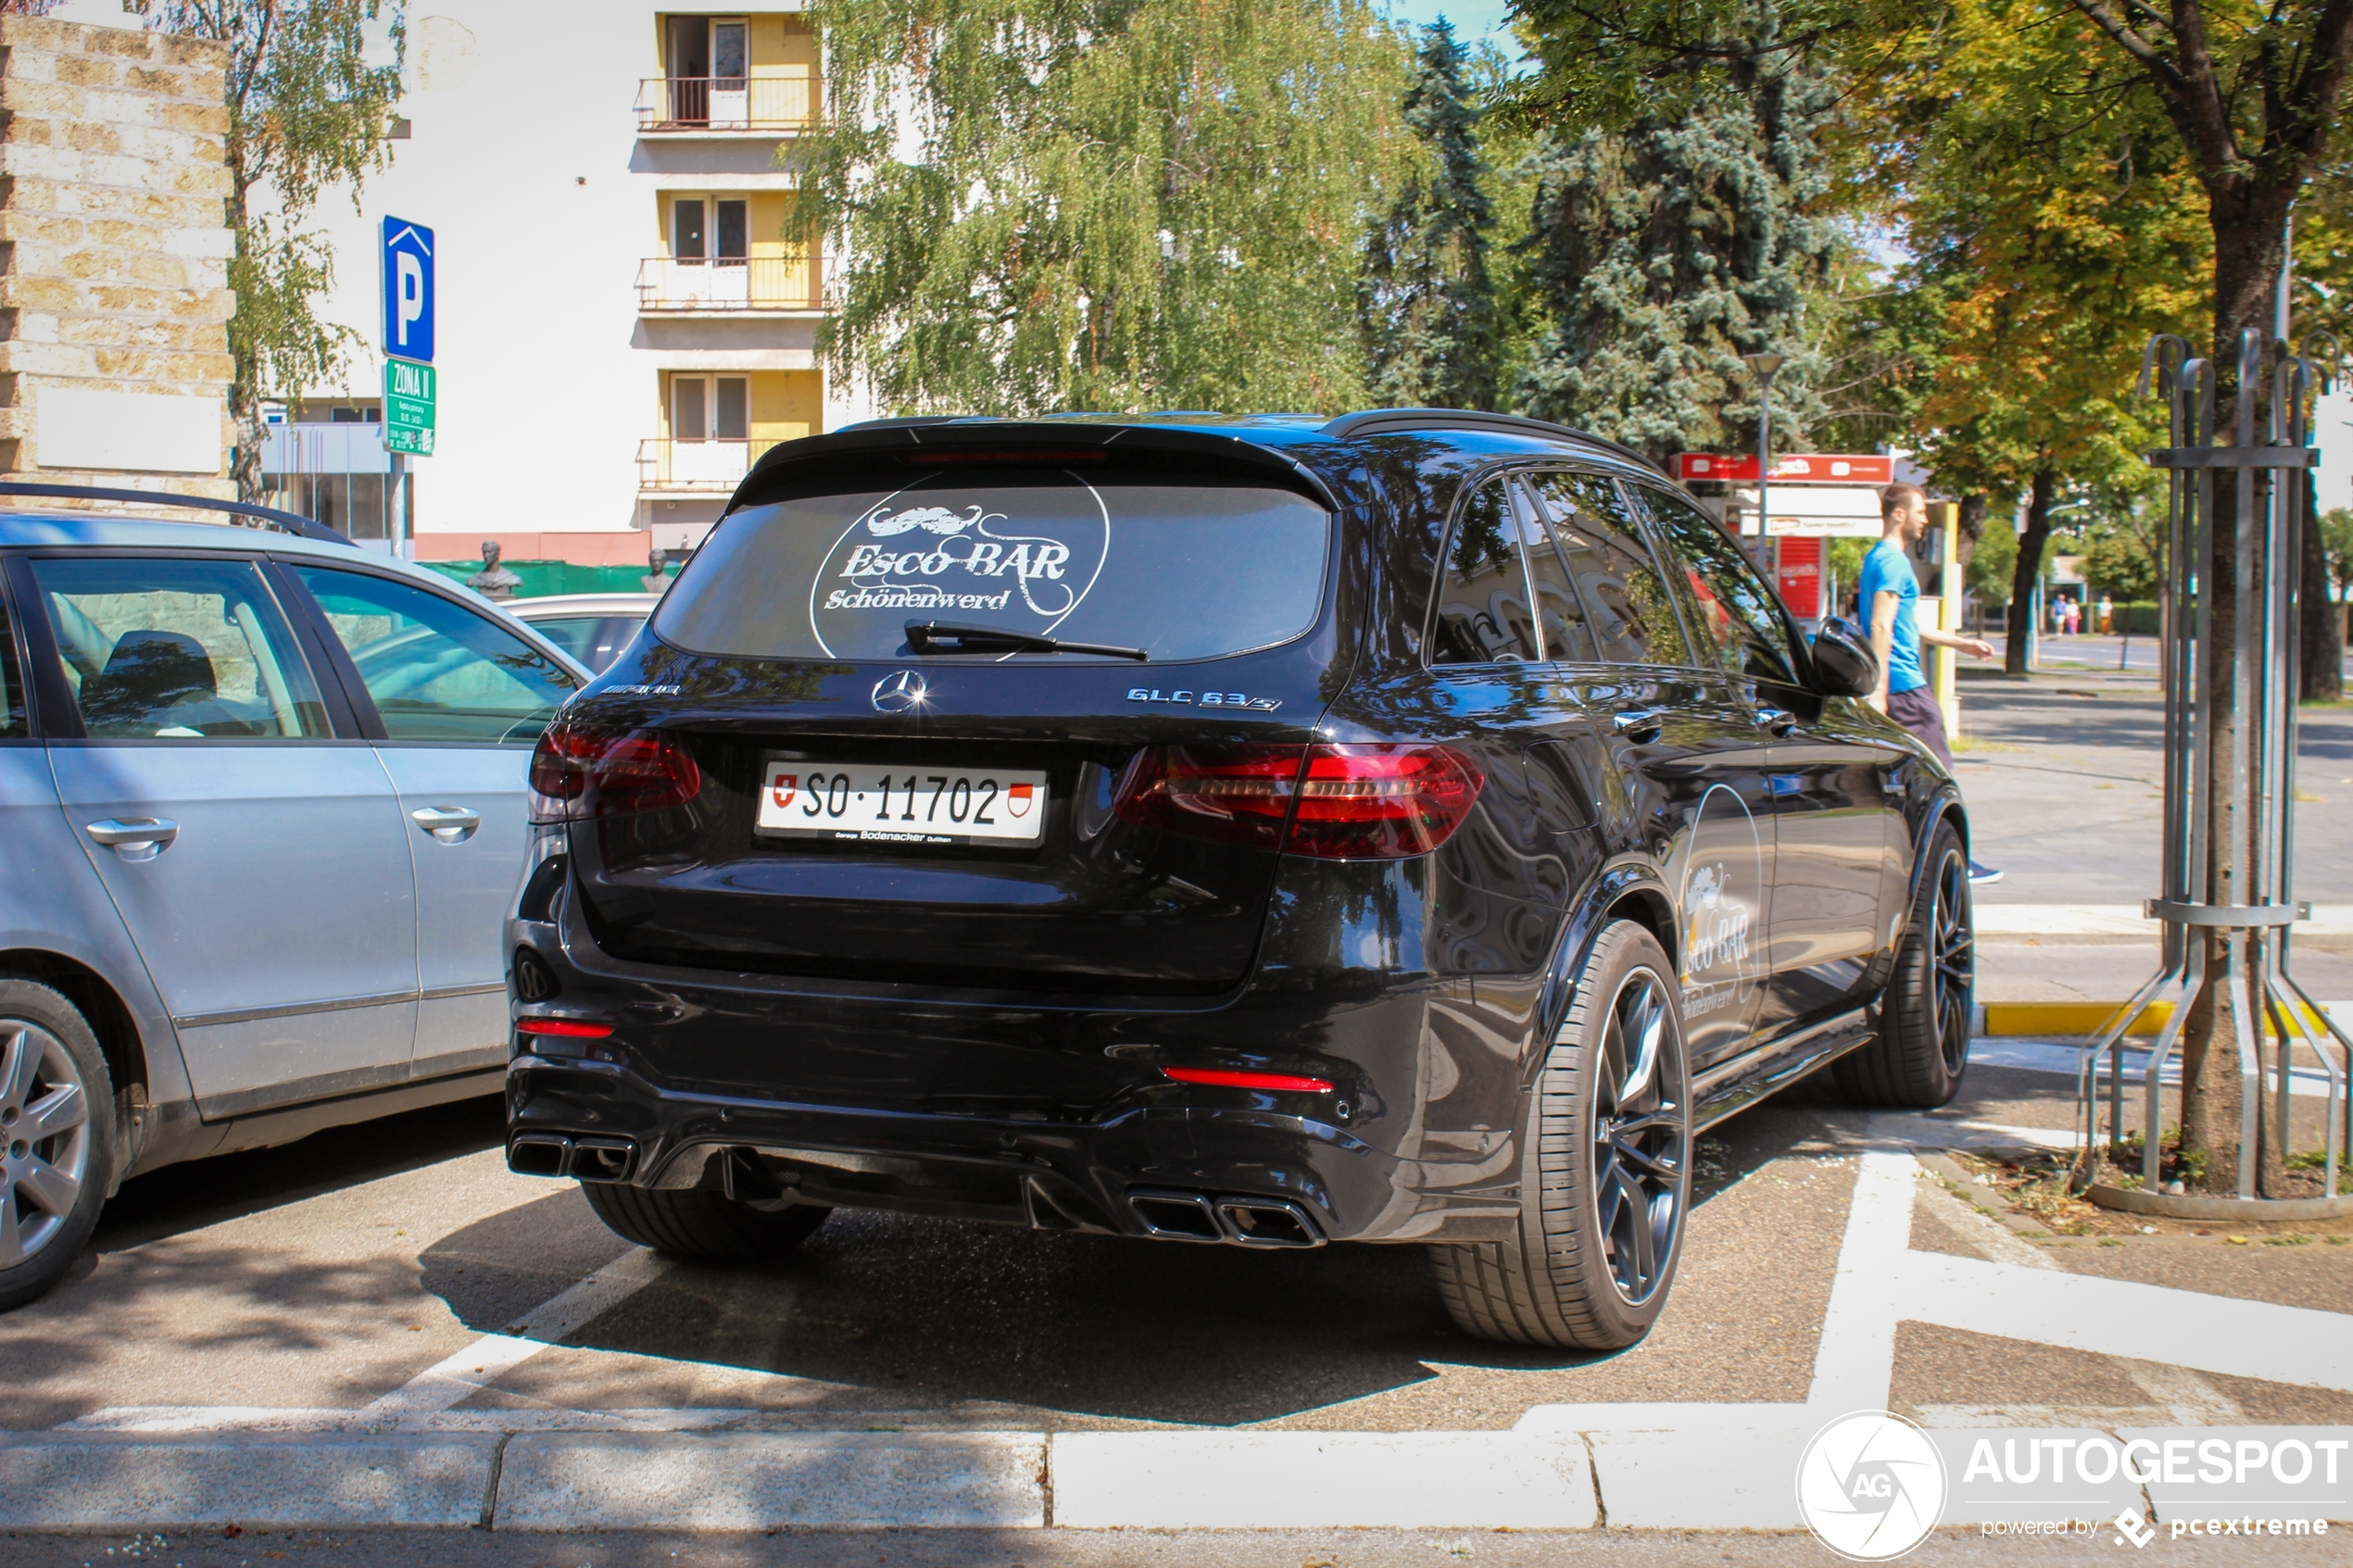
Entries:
{"x":1412,"y":827}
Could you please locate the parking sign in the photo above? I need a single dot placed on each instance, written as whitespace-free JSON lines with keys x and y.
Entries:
{"x":407,"y":258}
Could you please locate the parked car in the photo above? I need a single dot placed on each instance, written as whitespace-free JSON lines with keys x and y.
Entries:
{"x":263,"y":802}
{"x":592,"y":628}
{"x":1412,"y":827}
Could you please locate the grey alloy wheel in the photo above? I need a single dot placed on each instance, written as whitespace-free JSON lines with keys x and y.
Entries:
{"x":44,"y":1140}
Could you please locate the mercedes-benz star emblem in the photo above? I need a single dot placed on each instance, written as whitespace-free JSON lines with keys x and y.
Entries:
{"x":897,"y":694}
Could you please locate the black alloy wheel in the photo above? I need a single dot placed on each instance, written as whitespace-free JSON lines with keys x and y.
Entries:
{"x":1604,"y":1168}
{"x":1930,"y":1001}
{"x":1953,"y":943}
{"x":1641,"y":1134}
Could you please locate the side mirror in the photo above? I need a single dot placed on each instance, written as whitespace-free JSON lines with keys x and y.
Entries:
{"x":1843,"y":662}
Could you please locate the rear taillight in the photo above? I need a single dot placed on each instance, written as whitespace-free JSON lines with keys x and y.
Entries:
{"x":1382,"y":802}
{"x":1353,"y":802}
{"x":1232,"y":794}
{"x":578,"y":773}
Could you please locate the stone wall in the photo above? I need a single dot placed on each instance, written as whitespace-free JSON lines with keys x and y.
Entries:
{"x":114,"y":259}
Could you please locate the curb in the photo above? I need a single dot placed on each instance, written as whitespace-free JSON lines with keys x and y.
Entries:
{"x":749,"y":1481}
{"x":2047,"y":1020}
{"x":260,"y":1480}
{"x":1569,"y":1467}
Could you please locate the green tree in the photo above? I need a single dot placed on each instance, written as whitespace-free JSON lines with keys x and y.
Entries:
{"x":307,"y":111}
{"x":1432,"y":332}
{"x":1100,"y":203}
{"x":2052,"y":234}
{"x":1667,"y":247}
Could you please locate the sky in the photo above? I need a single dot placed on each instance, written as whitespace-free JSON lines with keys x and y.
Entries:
{"x":1473,"y":20}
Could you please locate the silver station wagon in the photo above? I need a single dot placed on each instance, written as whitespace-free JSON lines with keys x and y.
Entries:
{"x":261,"y":804}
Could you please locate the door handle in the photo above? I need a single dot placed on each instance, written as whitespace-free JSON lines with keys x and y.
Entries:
{"x":134,"y":838}
{"x":447,"y":825}
{"x":1775,"y":720}
{"x":1639,"y":723}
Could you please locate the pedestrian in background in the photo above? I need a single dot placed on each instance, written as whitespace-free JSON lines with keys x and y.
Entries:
{"x":1890,"y":594}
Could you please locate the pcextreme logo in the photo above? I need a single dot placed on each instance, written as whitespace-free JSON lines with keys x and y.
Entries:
{"x":1870,"y":1486}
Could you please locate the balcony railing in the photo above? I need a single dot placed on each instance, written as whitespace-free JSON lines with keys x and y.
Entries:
{"x":725,"y":102}
{"x":758,"y":282}
{"x":695,"y":467}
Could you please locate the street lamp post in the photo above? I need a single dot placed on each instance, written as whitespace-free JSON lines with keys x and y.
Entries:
{"x":1764,"y":365}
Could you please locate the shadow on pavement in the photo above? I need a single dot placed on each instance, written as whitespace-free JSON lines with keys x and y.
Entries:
{"x":901,"y":1313}
{"x":206,"y":1192}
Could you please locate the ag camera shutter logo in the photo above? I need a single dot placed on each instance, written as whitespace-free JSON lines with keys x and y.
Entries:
{"x":1870,"y":1486}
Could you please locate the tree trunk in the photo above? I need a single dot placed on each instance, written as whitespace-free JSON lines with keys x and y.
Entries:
{"x":2322,"y":655}
{"x":2029,"y":566}
{"x":2249,"y":248}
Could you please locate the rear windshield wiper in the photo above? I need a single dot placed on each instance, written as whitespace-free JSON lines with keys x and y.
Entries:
{"x":932,"y":636}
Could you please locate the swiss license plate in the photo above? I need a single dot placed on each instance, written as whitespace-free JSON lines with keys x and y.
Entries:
{"x":864,"y":803}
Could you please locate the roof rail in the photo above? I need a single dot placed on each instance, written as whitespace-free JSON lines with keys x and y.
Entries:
{"x":288,"y":522}
{"x":1389,"y":421}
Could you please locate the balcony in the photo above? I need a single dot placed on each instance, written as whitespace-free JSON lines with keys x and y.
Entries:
{"x":729,"y":286}
{"x":700,"y":106}
{"x":713,"y":467}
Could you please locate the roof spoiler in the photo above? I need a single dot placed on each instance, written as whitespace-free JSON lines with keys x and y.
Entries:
{"x":288,"y":522}
{"x":908,"y":436}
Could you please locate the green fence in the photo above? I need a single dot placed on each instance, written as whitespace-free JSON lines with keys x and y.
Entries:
{"x":541,"y":578}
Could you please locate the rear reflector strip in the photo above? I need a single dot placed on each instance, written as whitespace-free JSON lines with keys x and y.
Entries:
{"x":1290,"y":1083}
{"x":569,"y":1028}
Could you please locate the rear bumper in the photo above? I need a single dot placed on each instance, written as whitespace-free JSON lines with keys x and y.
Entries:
{"x":1071,"y":1176}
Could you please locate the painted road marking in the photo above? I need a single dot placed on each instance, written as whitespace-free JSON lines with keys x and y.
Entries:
{"x":461,"y":1376}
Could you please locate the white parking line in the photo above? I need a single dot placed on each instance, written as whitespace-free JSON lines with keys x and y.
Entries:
{"x":456,"y":1378}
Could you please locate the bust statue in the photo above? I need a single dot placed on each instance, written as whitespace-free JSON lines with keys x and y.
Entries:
{"x":492,"y":581}
{"x":655,"y":579}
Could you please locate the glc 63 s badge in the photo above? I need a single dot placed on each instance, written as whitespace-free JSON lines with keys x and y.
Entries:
{"x":1185,"y":697}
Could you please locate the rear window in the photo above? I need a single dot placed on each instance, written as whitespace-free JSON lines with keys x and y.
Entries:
{"x":1197,"y":570}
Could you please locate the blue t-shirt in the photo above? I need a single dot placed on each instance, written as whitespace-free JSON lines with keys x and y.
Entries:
{"x":1887,"y":570}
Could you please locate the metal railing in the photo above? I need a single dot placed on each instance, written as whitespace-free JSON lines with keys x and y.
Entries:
{"x":713,"y":467}
{"x":756,"y":282}
{"x":725,"y":102}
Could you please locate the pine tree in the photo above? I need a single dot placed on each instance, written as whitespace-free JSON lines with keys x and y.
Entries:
{"x":1432,"y":336}
{"x":1663,"y":250}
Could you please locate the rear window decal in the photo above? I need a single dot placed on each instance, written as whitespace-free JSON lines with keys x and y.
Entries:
{"x":959,"y":555}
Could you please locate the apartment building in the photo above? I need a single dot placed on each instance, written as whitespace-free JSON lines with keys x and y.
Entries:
{"x":628,"y":309}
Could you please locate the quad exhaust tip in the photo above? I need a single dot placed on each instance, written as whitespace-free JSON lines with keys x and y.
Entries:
{"x":554,"y":1154}
{"x":1237,"y":1222}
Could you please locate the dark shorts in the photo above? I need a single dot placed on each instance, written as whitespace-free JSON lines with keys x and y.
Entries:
{"x":1919,"y":711}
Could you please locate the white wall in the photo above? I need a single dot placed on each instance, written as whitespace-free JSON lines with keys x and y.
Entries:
{"x":522,"y":133}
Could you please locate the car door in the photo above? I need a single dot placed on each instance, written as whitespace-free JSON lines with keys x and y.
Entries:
{"x":254,"y":855}
{"x":1688,"y":756}
{"x":1831,"y":785}
{"x":454,"y":701}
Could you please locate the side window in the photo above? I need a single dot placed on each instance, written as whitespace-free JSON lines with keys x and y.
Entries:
{"x":1741,"y":614}
{"x":177,"y":649}
{"x":437,"y":670}
{"x":1630,"y":612}
{"x":15,"y":724}
{"x":1560,"y":613}
{"x":1482,"y":588}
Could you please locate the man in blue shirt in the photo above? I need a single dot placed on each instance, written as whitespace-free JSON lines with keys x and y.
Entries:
{"x":1890,"y":595}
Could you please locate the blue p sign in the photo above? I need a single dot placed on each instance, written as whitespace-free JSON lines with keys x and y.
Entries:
{"x":408,"y":290}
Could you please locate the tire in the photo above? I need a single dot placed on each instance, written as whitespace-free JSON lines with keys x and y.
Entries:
{"x":1601,"y":1222}
{"x":56,"y":1139}
{"x":703,"y":1225}
{"x":1930,"y":1000}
